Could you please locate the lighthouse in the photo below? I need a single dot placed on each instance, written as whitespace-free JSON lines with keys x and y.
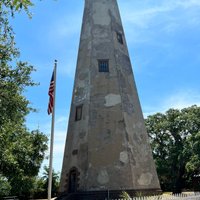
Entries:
{"x":107,"y":148}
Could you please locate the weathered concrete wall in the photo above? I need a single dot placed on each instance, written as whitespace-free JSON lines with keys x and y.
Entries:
{"x":109,"y":145}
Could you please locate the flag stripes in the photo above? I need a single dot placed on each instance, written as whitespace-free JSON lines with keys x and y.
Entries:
{"x":51,"y":95}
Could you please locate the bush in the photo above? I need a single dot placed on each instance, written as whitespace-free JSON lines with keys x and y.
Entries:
{"x":5,"y":186}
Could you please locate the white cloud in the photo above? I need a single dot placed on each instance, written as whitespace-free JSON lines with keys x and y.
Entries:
{"x":182,"y":99}
{"x":59,"y":149}
{"x":167,"y":15}
{"x":179,"y":100}
{"x":65,"y":28}
{"x":60,"y":136}
{"x":61,"y":122}
{"x":60,"y":133}
{"x":61,"y":119}
{"x":187,"y":3}
{"x":68,"y":65}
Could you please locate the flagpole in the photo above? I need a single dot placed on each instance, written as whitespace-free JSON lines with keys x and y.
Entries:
{"x":52,"y":136}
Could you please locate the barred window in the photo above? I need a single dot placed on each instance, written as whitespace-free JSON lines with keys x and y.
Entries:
{"x":103,"y":65}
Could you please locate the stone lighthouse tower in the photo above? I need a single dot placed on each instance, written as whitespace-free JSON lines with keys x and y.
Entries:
{"x":107,"y":148}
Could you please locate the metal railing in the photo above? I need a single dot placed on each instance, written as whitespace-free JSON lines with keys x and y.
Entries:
{"x":195,"y":196}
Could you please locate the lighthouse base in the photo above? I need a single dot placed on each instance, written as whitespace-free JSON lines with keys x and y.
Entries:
{"x":107,"y":194}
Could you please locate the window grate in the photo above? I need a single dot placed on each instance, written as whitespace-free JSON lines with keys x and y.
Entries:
{"x":103,"y":65}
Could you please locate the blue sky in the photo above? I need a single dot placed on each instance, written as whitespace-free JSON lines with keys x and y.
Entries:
{"x":163,"y":38}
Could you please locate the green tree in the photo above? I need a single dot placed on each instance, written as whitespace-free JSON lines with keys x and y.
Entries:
{"x":55,"y":181}
{"x":21,"y":156}
{"x":4,"y":186}
{"x":125,"y":196}
{"x":41,"y":186}
{"x":21,"y":151}
{"x":175,"y":141}
{"x":13,"y":6}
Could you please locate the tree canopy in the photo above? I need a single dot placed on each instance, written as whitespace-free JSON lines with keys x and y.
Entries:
{"x":41,"y":184}
{"x":175,"y":141}
{"x":21,"y":151}
{"x":16,"y":5}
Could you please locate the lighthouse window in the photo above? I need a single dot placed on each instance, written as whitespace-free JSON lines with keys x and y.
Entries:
{"x":120,"y":38}
{"x":78,"y":115}
{"x":103,"y":65}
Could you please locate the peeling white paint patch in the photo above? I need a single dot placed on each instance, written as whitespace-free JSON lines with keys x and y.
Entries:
{"x":112,"y":100}
{"x":145,"y":179}
{"x":123,"y":157}
{"x":103,"y":177}
{"x":101,"y":15}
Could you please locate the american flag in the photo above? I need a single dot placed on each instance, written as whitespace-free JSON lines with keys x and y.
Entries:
{"x":51,"y":95}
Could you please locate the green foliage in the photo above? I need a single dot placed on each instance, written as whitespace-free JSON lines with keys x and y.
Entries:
{"x":125,"y":195}
{"x":41,"y":184}
{"x":175,"y":141}
{"x":21,"y":155}
{"x":55,"y":180}
{"x":13,"y":6}
{"x":21,"y":151}
{"x":5,"y":187}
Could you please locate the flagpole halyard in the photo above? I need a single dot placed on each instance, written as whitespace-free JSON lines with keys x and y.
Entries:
{"x":52,"y":109}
